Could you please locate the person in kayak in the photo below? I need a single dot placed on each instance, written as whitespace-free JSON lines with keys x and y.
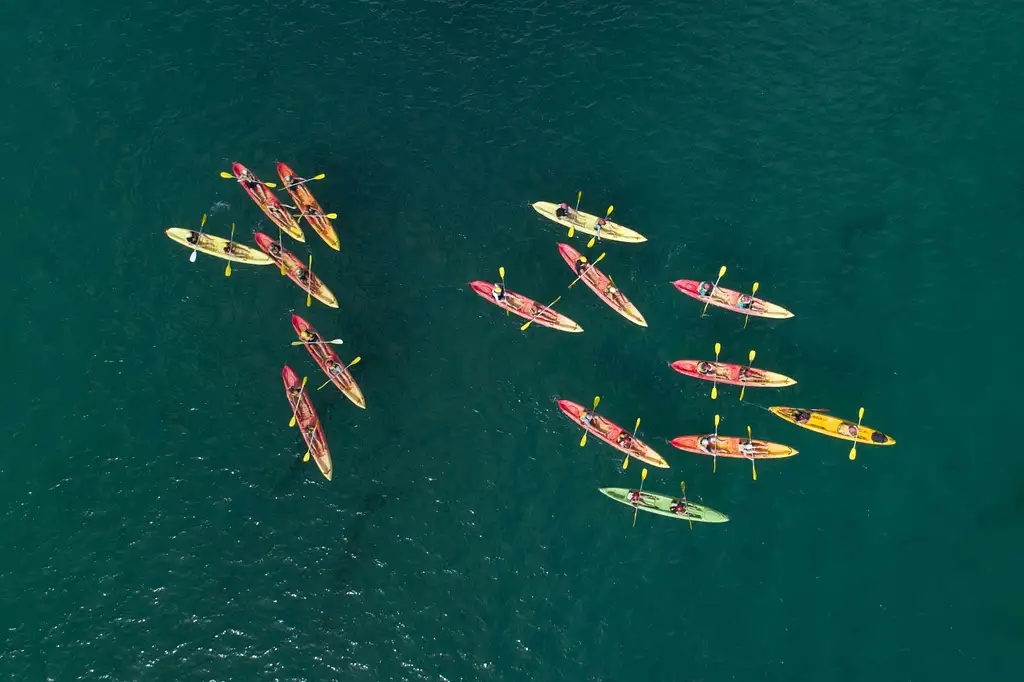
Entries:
{"x":748,"y":449}
{"x":580,"y":263}
{"x":275,"y":249}
{"x":704,"y":289}
{"x":193,"y":238}
{"x":706,"y":443}
{"x":802,"y":416}
{"x":613,"y":293}
{"x":748,"y":374}
{"x":848,"y":429}
{"x":276,"y":212}
{"x":302,"y":274}
{"x":598,"y":226}
{"x":249,"y":180}
{"x":308,"y":336}
{"x":745,"y":302}
{"x":625,"y":441}
{"x":678,"y":506}
{"x":705,"y":368}
{"x":498,"y":293}
{"x":565,"y":211}
{"x":312,"y":212}
{"x":633,"y":496}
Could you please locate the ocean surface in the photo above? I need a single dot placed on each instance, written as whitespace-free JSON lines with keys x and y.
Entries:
{"x":862,"y":160}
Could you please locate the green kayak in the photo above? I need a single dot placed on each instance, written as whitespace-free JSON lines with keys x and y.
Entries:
{"x":661,"y":504}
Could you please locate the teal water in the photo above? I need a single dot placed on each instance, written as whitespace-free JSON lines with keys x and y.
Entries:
{"x":862,"y":160}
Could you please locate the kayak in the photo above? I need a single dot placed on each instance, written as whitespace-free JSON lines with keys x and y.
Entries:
{"x":729,"y":299}
{"x":737,"y":375}
{"x":308,"y":422}
{"x":732,"y":446}
{"x":661,"y":504}
{"x":266,"y":200}
{"x":602,"y":285}
{"x":305,"y":200}
{"x":526,"y":308}
{"x":294,"y":267}
{"x":609,"y":433}
{"x":826,"y":424}
{"x":218,"y":247}
{"x":323,"y":353}
{"x":586,"y":224}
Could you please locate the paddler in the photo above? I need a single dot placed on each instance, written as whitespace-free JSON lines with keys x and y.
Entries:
{"x":498,"y":293}
{"x":580,"y":262}
{"x":302,"y":274}
{"x":275,"y":249}
{"x":848,"y":429}
{"x":678,"y":506}
{"x":625,"y":441}
{"x":565,"y":211}
{"x":748,"y":448}
{"x":312,"y":212}
{"x":705,"y":289}
{"x":802,"y":416}
{"x":598,"y":226}
{"x":615,"y":295}
{"x":705,"y":443}
{"x":749,"y":374}
{"x":192,"y":238}
{"x":633,"y":496}
{"x":308,"y":336}
{"x":588,"y":418}
{"x":334,"y":369}
{"x":746,"y":302}
{"x":276,"y":211}
{"x":705,"y":368}
{"x":248,"y":179}
{"x":879,"y":437}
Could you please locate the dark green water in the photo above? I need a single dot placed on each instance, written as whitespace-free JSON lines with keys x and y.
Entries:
{"x":861,"y":160}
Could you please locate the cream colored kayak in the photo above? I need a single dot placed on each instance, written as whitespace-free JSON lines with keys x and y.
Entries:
{"x":585,"y":223}
{"x":218,"y":246}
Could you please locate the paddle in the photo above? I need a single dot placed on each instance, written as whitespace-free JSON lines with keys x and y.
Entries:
{"x":331,"y":216}
{"x":625,"y":463}
{"x":636,"y":507}
{"x":750,"y":362}
{"x":192,"y":258}
{"x":295,"y":407}
{"x":225,"y":174}
{"x":354,"y":362}
{"x":501,"y":273}
{"x":534,"y":317}
{"x":572,"y":224}
{"x":596,"y":261}
{"x":714,"y":454}
{"x":583,"y":441}
{"x":309,"y":282}
{"x":682,"y":488}
{"x":714,"y":287}
{"x":597,"y":228}
{"x":752,"y":293}
{"x":305,"y":457}
{"x":309,"y":343}
{"x":853,"y":450}
{"x":280,"y":242}
{"x":227,"y":270}
{"x":750,"y":439}
{"x":714,"y":377}
{"x":303,"y":182}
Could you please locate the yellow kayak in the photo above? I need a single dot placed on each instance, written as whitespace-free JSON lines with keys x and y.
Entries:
{"x":827,"y":425}
{"x":218,"y":247}
{"x":585,"y":223}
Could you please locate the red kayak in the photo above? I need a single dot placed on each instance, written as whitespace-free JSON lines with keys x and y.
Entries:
{"x":603,"y":286}
{"x":609,"y":433}
{"x":526,"y":308}
{"x":308,"y":205}
{"x":325,"y":356}
{"x":737,"y":375}
{"x":732,"y":446}
{"x":296,"y":270}
{"x":308,"y":422}
{"x":745,"y":304}
{"x":266,"y":200}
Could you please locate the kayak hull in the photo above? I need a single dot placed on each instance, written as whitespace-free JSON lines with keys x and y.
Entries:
{"x":726,"y":373}
{"x":834,"y":427}
{"x":586,"y":224}
{"x":308,"y":422}
{"x":661,"y":504}
{"x":729,"y":299}
{"x":599,"y":283}
{"x":608,"y":432}
{"x":269,"y":203}
{"x":729,"y":446}
{"x":526,"y":308}
{"x":293,"y":266}
{"x":304,"y":199}
{"x":323,"y":353}
{"x":215,"y":246}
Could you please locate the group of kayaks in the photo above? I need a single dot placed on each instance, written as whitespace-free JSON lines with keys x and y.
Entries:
{"x":272,"y":251}
{"x":710,"y":294}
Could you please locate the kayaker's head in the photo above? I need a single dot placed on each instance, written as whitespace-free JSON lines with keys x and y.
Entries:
{"x":611,"y":290}
{"x":802,"y":417}
{"x":704,"y":367}
{"x":704,"y":441}
{"x":704,"y":288}
{"x":563,"y":205}
{"x":879,"y":437}
{"x":601,"y":222}
{"x":848,"y":429}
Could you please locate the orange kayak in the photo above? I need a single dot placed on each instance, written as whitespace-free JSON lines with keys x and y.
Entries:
{"x":325,"y":356}
{"x":266,"y":200}
{"x":602,"y":285}
{"x":308,"y":205}
{"x":526,"y":308}
{"x":726,"y":373}
{"x":732,"y":446}
{"x":308,"y":422}
{"x":295,"y":269}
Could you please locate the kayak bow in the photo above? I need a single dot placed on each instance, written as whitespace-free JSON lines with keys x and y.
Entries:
{"x":305,"y":200}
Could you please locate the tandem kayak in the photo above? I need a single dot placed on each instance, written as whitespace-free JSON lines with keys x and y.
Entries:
{"x":325,"y":356}
{"x":218,"y":247}
{"x":730,"y":300}
{"x":585,"y":223}
{"x":662,"y":505}
{"x":609,"y":433}
{"x":826,"y":424}
{"x":308,"y":205}
{"x":295,"y":269}
{"x":603,"y":286}
{"x":526,"y":308}
{"x":732,"y":446}
{"x":308,"y":422}
{"x":726,"y":373}
{"x":266,"y":200}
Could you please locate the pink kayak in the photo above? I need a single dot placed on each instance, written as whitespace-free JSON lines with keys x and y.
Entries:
{"x":737,"y":375}
{"x":732,"y":300}
{"x":603,"y":286}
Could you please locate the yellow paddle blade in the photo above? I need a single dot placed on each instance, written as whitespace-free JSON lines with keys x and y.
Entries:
{"x":354,"y":362}
{"x":319,"y":177}
{"x":753,"y":468}
{"x":756,"y":285}
{"x":572,"y":231}
{"x":742,"y":389}
{"x":860,"y":416}
{"x":682,"y":487}
{"x":331,"y":216}
{"x":501,"y":271}
{"x":309,"y":284}
{"x":579,"y":195}
{"x":643,"y":475}
{"x":610,"y":209}
{"x":717,"y":419}
{"x":748,"y":432}
{"x":583,"y":441}
{"x":270,"y":184}
{"x":714,"y":465}
{"x":225,"y":174}
{"x":227,"y":270}
{"x":625,"y":463}
{"x":597,"y":399}
{"x":718,"y":349}
{"x":853,"y":452}
{"x":590,"y":244}
{"x":599,"y":259}
{"x":635,"y":510}
{"x":203,"y":221}
{"x":523,"y":328}
{"x":752,"y":355}
{"x":305,"y":458}
{"x":721,"y":272}
{"x":714,"y":392}
{"x":637,"y":427}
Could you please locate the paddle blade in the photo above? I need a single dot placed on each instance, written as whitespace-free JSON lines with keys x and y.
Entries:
{"x":354,"y":362}
{"x":756,"y":285}
{"x":202,"y":222}
{"x":625,"y":463}
{"x":717,"y":419}
{"x":599,"y":258}
{"x":305,"y":458}
{"x":583,"y":441}
{"x":637,"y":427}
{"x":610,"y":209}
{"x":321,"y":176}
{"x":860,"y":416}
{"x":501,"y":271}
{"x":270,"y":184}
{"x":853,"y":452}
{"x":572,"y":231}
{"x":643,"y":475}
{"x":597,"y":400}
{"x":753,"y":354}
{"x":227,"y":270}
{"x":192,"y":258}
{"x":523,"y":328}
{"x":635,"y":510}
{"x":331,"y":216}
{"x":742,"y":389}
{"x":291,"y":422}
{"x":714,"y":392}
{"x":225,"y":174}
{"x":753,"y":468}
{"x":721,"y":272}
{"x":590,"y":244}
{"x":718,"y":349}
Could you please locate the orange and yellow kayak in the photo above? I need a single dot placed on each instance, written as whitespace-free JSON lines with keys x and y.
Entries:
{"x":738,"y":302}
{"x":308,"y":205}
{"x":296,"y":270}
{"x":726,"y":373}
{"x":308,"y":422}
{"x":732,"y":446}
{"x":611,"y":433}
{"x":603,"y":286}
{"x":266,"y":200}
{"x":827,"y":425}
{"x":329,"y":361}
